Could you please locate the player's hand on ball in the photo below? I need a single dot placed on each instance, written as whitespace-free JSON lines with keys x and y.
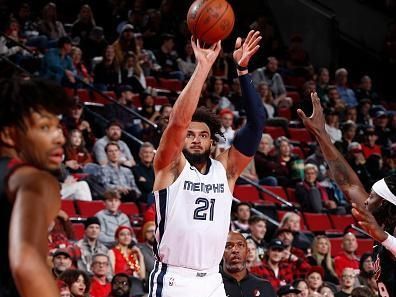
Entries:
{"x":205,"y":56}
{"x":246,"y":49}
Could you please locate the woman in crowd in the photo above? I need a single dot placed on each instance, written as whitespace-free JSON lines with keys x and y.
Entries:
{"x":263,"y":159}
{"x":107,"y":75}
{"x":148,"y":107}
{"x":82,"y":72}
{"x":252,"y":259}
{"x":77,"y":281}
{"x":132,"y":74}
{"x":267,"y":99}
{"x":314,"y":279}
{"x":76,"y":154}
{"x":84,"y":24}
{"x":124,"y":258}
{"x":321,"y":256}
{"x":301,"y":285}
{"x":49,"y":25}
{"x":292,"y":221}
{"x":366,"y":274}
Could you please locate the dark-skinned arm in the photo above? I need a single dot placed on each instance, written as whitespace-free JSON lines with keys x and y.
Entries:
{"x":36,"y":201}
{"x":343,"y":174}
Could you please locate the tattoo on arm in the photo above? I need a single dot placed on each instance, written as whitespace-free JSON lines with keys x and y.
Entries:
{"x":341,"y":171}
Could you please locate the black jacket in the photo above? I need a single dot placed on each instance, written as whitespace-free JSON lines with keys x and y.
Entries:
{"x":250,"y":286}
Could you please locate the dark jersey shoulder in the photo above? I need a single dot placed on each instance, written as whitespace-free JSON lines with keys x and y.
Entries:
{"x":385,"y":271}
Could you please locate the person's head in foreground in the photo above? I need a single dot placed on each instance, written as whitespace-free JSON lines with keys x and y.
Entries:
{"x":29,"y":121}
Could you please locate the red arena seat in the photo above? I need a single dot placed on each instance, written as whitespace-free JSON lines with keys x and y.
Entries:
{"x":89,"y":208}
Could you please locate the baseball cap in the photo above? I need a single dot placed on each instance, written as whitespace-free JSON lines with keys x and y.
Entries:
{"x":276,"y":243}
{"x":59,"y":252}
{"x":355,"y":147}
{"x":287,"y":289}
{"x":127,"y":27}
{"x":91,"y":221}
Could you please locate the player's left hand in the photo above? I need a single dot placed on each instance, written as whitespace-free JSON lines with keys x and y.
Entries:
{"x":244,"y":51}
{"x":367,"y":221}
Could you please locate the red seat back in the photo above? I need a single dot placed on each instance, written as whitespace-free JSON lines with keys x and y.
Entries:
{"x":68,"y":207}
{"x":364,"y":245}
{"x":317,"y":222}
{"x":275,"y":132}
{"x":300,"y":134}
{"x":129,"y":208}
{"x":336,"y":243}
{"x":78,"y":230}
{"x":340,"y":222}
{"x":247,"y":193}
{"x":89,"y":208}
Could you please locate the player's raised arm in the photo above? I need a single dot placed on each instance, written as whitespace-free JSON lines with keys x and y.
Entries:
{"x":248,"y":137}
{"x":171,"y":145}
{"x":343,"y":174}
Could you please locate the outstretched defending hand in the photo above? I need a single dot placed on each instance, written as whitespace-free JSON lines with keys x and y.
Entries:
{"x":205,"y":56}
{"x":369,"y":224}
{"x":244,"y":51}
{"x":316,"y":122}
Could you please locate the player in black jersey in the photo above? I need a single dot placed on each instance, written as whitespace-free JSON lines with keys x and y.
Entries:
{"x":31,"y":143}
{"x":379,"y":205}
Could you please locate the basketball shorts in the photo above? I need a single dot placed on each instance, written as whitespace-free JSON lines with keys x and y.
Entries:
{"x":172,"y":281}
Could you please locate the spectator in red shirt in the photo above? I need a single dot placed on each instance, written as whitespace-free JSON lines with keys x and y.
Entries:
{"x":100,"y":286}
{"x":347,"y":258}
{"x":293,"y":255}
{"x":369,"y":147}
{"x":273,"y":269}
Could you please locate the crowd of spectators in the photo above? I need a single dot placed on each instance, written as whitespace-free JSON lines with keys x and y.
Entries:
{"x":115,"y":47}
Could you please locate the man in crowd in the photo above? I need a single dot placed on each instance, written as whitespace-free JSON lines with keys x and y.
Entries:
{"x":146,"y":247}
{"x":258,"y":228}
{"x":144,"y":171}
{"x":237,"y":280}
{"x":120,"y":285}
{"x":242,"y":213}
{"x":347,"y":258}
{"x":117,"y":177}
{"x":90,"y":245}
{"x":111,"y":218}
{"x":113,"y":134}
{"x":347,"y":94}
{"x":347,"y":281}
{"x":61,"y":261}
{"x":100,"y":286}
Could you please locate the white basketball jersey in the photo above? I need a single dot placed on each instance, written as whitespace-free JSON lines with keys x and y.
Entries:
{"x":193,"y":218}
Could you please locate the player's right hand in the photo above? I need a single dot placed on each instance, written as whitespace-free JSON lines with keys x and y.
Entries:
{"x":205,"y":56}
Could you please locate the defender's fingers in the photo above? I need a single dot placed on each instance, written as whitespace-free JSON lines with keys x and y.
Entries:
{"x":249,"y":36}
{"x":238,"y":42}
{"x":301,"y":114}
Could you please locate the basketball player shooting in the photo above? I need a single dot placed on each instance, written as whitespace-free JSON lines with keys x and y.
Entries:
{"x":193,"y":192}
{"x":371,"y":210}
{"x":31,"y":143}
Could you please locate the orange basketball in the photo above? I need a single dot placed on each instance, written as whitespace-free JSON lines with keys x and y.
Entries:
{"x":210,"y":20}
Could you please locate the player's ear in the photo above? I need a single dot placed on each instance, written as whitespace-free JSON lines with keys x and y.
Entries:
{"x":8,"y":136}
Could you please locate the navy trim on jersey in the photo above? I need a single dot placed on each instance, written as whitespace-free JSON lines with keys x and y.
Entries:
{"x":160,"y":280}
{"x":151,"y":283}
{"x":162,"y":205}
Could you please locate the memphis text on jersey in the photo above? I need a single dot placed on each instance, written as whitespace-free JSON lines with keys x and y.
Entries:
{"x":201,"y":187}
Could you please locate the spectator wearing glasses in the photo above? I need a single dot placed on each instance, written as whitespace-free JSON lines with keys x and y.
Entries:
{"x":100,"y":286}
{"x":120,"y":285}
{"x":348,"y":279}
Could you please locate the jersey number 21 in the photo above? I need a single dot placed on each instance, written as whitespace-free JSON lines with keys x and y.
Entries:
{"x":201,"y":213}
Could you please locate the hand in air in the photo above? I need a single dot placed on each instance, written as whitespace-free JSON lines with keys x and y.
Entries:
{"x":316,"y":122}
{"x":369,"y":224}
{"x":205,"y":56}
{"x":243,"y":52}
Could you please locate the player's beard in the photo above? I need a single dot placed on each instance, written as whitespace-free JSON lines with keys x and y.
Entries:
{"x":197,"y":158}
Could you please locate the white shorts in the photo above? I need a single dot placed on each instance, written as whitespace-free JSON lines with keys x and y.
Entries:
{"x":172,"y":281}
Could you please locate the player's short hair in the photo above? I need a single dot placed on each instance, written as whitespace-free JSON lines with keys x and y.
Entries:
{"x":256,"y":219}
{"x":202,"y":114}
{"x":20,"y":97}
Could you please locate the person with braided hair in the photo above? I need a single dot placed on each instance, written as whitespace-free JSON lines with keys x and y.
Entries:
{"x":375,"y":212}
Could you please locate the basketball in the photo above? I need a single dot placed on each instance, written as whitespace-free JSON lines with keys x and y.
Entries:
{"x":210,"y":20}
